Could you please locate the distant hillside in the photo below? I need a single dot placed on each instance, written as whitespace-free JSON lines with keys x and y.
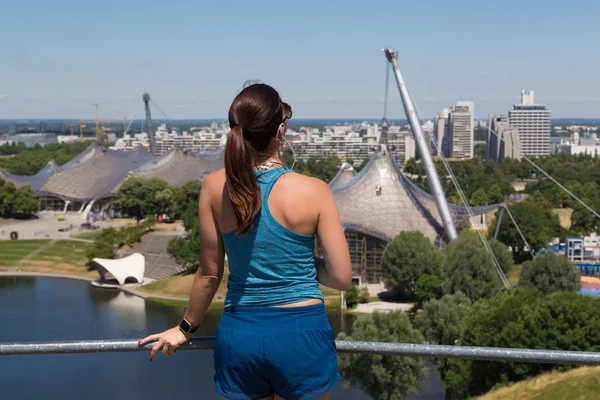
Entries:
{"x":581,"y":384}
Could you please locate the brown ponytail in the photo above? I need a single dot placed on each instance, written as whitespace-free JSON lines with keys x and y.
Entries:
{"x":254,"y":117}
{"x":244,"y":193}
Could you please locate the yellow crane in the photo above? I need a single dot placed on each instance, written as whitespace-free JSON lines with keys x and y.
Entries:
{"x":81,"y":126}
{"x":98,"y":134}
{"x":71,"y":127}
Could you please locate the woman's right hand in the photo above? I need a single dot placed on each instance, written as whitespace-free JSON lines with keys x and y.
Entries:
{"x":168,"y":342}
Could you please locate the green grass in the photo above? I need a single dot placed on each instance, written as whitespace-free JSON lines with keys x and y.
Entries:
{"x":64,"y":252}
{"x":329,"y":291}
{"x":13,"y":251}
{"x":513,"y":274}
{"x":215,"y":306}
{"x":92,"y":235}
{"x":581,"y":384}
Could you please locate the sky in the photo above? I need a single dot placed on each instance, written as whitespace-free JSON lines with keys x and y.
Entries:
{"x":324,"y":57}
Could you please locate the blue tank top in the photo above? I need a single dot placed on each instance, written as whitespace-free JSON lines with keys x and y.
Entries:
{"x":270,"y":265}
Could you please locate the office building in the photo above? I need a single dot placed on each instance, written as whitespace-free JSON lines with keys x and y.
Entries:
{"x":533,"y":123}
{"x":454,"y":128}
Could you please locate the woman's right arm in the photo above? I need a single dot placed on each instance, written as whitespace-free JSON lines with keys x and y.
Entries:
{"x":334,"y":270}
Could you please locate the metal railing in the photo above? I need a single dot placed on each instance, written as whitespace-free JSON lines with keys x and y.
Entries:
{"x":343,"y":346}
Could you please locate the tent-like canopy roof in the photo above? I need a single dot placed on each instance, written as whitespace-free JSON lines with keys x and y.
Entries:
{"x":34,"y":181}
{"x":131,"y":267}
{"x":95,"y":174}
{"x":381,"y":201}
{"x":178,"y":167}
{"x":344,"y":175}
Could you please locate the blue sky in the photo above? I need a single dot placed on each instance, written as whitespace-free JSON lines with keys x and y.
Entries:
{"x":57,"y":57}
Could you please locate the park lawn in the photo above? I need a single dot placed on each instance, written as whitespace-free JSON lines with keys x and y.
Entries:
{"x":513,"y":274}
{"x":63,"y":257}
{"x":329,"y":291}
{"x":564,"y":216}
{"x":181,"y":286}
{"x":581,"y":384}
{"x":13,"y":251}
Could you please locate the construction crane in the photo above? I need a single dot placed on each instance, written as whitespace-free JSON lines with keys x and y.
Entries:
{"x":72,"y":128}
{"x":81,"y":126}
{"x":98,"y":135}
{"x":146,"y":98}
{"x":413,"y":120}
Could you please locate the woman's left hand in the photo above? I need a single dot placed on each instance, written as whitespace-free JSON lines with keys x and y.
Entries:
{"x":168,"y":342}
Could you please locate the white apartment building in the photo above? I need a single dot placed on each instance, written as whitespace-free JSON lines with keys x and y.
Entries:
{"x":577,"y":145}
{"x":533,"y":123}
{"x":197,"y":140}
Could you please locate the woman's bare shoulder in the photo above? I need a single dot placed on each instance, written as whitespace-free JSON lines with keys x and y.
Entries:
{"x":306,"y":185}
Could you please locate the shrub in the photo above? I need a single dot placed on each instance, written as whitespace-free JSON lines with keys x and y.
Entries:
{"x":352,"y":296}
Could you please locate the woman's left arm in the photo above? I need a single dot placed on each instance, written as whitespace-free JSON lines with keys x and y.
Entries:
{"x":207,"y":279}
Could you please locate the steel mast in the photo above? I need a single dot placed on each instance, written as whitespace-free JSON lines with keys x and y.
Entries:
{"x":151,"y":140}
{"x":413,"y":120}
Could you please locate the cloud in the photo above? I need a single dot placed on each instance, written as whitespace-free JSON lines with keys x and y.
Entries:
{"x":3,"y":95}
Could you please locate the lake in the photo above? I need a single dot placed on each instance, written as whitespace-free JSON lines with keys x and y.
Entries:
{"x":48,"y":309}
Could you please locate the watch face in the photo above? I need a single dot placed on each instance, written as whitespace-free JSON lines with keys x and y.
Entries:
{"x":185,"y":326}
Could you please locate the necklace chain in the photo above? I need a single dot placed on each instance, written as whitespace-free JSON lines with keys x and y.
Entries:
{"x":269,"y":164}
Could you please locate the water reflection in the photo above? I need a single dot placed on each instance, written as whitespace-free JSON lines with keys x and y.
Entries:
{"x":45,"y":309}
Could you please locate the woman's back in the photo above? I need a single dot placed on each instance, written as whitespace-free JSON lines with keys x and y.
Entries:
{"x":274,"y":263}
{"x":274,"y":337}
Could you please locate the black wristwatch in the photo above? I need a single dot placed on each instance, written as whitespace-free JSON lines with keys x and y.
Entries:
{"x":186,"y":327}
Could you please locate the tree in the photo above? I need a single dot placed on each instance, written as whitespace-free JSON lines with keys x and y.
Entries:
{"x":352,"y":296}
{"x":383,"y":377}
{"x":406,"y":258}
{"x":442,"y":322}
{"x":414,"y":168}
{"x":537,"y":224}
{"x":191,"y":190}
{"x":479,"y":198}
{"x":495,"y":195}
{"x":132,"y":197}
{"x":428,"y":287}
{"x":549,"y":272}
{"x":139,"y":197}
{"x":25,"y":202}
{"x":8,"y":193}
{"x":502,"y":254}
{"x":521,"y":318}
{"x":469,"y":268}
{"x":103,"y":246}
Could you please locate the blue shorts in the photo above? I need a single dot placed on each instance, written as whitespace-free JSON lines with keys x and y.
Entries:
{"x":288,"y":351}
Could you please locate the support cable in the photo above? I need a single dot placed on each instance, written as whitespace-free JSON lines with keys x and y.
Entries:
{"x":590,"y":209}
{"x":468,"y":208}
{"x":518,"y":230}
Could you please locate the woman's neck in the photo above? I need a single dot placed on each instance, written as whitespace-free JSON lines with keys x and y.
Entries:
{"x":265,"y":158}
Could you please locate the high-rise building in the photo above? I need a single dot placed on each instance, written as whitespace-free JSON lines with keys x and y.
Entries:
{"x":454,"y":130}
{"x":503,"y":140}
{"x":12,"y":129}
{"x":533,"y":123}
{"x":461,"y":130}
{"x":440,"y":132}
{"x":42,"y":127}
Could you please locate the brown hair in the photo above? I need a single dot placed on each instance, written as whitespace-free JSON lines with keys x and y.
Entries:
{"x":254,"y":118}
